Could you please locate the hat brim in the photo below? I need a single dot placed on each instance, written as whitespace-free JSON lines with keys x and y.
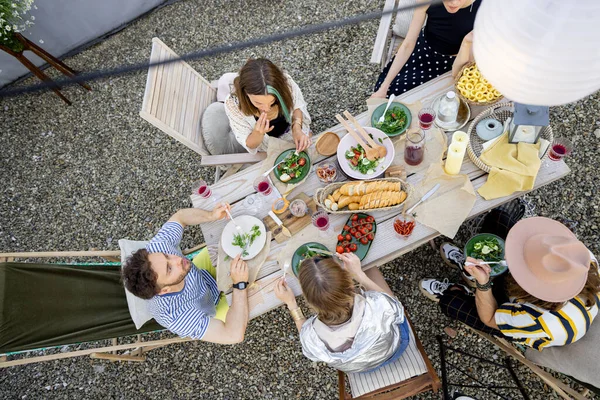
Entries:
{"x":514,"y":254}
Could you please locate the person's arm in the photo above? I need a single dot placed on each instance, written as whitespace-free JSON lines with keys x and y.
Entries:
{"x":195,"y":216}
{"x":241,"y":127}
{"x":300,"y":117}
{"x":405,"y":49}
{"x":352,"y":265}
{"x":484,"y":299}
{"x":465,"y":54}
{"x":286,"y":295}
{"x":234,"y":328}
{"x":257,"y":135}
{"x":301,"y":139}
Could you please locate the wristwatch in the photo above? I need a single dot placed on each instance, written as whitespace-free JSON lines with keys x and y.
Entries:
{"x":240,"y":285}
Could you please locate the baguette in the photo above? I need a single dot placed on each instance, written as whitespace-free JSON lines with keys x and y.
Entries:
{"x":353,"y":206}
{"x":336,"y":195}
{"x":381,"y":199}
{"x":346,"y":200}
{"x":362,"y":188}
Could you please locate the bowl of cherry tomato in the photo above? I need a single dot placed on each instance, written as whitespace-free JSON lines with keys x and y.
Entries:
{"x":357,"y":235}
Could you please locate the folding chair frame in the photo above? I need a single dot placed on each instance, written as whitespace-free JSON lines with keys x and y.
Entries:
{"x":130,"y":352}
{"x":401,"y":390}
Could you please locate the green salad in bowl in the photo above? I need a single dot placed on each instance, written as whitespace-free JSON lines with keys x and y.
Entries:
{"x":487,"y":247}
{"x":397,"y":118}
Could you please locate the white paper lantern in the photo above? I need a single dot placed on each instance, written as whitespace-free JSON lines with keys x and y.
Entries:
{"x":540,"y":52}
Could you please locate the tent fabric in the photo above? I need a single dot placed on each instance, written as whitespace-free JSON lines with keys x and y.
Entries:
{"x":45,"y":305}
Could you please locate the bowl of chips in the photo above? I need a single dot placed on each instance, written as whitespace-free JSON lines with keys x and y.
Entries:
{"x":472,"y":87}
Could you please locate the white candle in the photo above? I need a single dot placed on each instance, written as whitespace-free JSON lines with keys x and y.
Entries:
{"x":460,"y":137}
{"x":454,"y":159}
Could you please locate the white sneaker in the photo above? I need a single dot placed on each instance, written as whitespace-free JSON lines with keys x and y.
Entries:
{"x":452,"y":255}
{"x":433,"y":288}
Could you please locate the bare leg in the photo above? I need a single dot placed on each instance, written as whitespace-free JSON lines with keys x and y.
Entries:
{"x":377,"y":277}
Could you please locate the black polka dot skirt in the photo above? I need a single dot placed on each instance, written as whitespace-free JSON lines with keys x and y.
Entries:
{"x":423,"y":65}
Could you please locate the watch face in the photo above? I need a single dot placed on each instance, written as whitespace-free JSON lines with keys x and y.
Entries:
{"x":241,"y":285}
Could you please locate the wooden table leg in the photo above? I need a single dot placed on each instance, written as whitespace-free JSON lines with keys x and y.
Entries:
{"x":38,"y":72}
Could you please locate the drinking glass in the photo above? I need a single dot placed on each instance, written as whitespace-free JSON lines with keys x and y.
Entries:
{"x":426,"y":118}
{"x":320,"y":219}
{"x":201,"y":189}
{"x":262,"y":185}
{"x":414,"y":149}
{"x":559,"y":149}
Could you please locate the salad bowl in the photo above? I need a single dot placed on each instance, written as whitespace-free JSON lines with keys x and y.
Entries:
{"x":359,"y":167}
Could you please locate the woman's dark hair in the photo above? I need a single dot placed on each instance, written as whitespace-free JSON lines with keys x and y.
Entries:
{"x":138,"y":276}
{"x":328,"y":289}
{"x":257,"y":77}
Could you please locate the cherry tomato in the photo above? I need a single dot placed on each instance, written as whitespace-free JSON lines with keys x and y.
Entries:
{"x":370,"y":219}
{"x":356,"y":152}
{"x":348,"y":237}
{"x":294,"y":165}
{"x":355,"y":217}
{"x":352,"y":231}
{"x":353,"y":246}
{"x":354,"y":223}
{"x":292,"y":175}
{"x":364,"y":240}
{"x":339,"y":249}
{"x":362,"y":231}
{"x":346,"y":228}
{"x":370,"y":237}
{"x":347,"y":250}
{"x":302,"y":162}
{"x":280,"y":167}
{"x":370,"y":227}
{"x":357,"y":234}
{"x":340,"y":238}
{"x":354,"y":162}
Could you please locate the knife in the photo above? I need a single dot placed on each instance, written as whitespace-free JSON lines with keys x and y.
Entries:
{"x":425,"y":197}
{"x":284,"y":230}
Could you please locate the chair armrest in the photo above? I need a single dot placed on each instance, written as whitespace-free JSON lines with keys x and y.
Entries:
{"x":228,"y":159}
{"x":383,"y":32}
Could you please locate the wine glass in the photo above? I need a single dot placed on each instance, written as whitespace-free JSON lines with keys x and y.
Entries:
{"x":320,"y":220}
{"x":559,"y":149}
{"x":201,"y":189}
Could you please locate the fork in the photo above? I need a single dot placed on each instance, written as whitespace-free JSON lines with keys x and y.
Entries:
{"x":239,"y":228}
{"x":392,"y":97}
{"x":286,"y":266}
{"x":502,"y":262}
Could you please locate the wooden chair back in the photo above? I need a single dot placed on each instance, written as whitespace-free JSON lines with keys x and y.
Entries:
{"x":402,"y":389}
{"x":176,"y":97}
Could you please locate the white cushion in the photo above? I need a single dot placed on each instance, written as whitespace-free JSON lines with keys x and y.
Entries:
{"x":138,"y":308}
{"x":225,"y":85}
{"x":410,"y":364}
{"x":403,"y":18}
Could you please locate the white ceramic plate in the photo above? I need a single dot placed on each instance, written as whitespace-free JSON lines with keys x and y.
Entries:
{"x":349,"y":141}
{"x":246,"y":222}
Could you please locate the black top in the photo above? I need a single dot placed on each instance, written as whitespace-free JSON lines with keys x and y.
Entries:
{"x":445,"y":31}
{"x":280,"y":126}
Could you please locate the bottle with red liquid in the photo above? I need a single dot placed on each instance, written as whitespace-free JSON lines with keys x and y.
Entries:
{"x":414,"y":150}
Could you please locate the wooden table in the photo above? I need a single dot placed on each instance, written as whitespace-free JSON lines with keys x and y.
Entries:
{"x":386,"y":245}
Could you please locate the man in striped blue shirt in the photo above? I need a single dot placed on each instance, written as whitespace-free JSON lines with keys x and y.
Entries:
{"x":184,"y":298}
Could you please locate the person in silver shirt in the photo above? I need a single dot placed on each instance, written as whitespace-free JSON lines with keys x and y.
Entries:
{"x":351,"y":331}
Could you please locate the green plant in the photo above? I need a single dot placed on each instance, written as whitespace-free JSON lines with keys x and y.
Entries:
{"x":13,"y":20}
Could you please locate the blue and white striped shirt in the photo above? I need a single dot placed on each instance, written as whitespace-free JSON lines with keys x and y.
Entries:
{"x":185,"y":313}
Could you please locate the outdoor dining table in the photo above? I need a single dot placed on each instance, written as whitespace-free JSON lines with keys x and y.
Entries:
{"x":386,"y":246}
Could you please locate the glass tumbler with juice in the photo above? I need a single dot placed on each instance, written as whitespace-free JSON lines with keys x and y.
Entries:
{"x":414,"y":149}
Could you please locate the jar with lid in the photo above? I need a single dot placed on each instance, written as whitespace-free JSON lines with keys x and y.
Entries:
{"x":448,"y":110}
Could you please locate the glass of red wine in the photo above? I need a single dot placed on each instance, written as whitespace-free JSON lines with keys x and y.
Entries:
{"x":320,"y":219}
{"x":414,"y":149}
{"x":426,"y":118}
{"x":201,"y":189}
{"x":262,"y":185}
{"x":559,"y":149}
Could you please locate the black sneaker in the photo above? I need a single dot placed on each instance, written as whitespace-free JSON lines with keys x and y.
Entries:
{"x":452,"y":255}
{"x":434,"y":289}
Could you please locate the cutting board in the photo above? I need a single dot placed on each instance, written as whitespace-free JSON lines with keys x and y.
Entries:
{"x":294,"y":224}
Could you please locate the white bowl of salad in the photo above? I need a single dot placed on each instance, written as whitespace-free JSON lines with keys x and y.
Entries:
{"x":353,"y":161}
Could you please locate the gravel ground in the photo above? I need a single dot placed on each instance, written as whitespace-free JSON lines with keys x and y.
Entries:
{"x":81,"y":177}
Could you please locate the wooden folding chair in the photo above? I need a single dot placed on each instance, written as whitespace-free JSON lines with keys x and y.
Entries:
{"x":410,"y":375}
{"x":564,"y":391}
{"x":389,"y":39}
{"x":174,"y":101}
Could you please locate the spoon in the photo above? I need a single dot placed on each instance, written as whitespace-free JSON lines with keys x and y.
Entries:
{"x":381,"y":119}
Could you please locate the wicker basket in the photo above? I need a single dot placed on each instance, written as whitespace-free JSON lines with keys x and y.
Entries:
{"x":322,"y":193}
{"x":501,"y":112}
{"x":470,"y":102}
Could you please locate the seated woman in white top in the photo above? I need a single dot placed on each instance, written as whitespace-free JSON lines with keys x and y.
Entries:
{"x":267,"y":102}
{"x":352,"y":332}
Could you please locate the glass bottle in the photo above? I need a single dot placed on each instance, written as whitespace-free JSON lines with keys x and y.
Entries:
{"x":448,"y":110}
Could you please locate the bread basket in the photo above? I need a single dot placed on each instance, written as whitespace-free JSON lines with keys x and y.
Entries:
{"x":322,"y":193}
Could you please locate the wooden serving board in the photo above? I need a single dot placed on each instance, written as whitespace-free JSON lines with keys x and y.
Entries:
{"x":294,"y":224}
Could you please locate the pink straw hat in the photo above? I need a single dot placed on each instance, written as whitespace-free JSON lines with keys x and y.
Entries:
{"x":546,"y":259}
